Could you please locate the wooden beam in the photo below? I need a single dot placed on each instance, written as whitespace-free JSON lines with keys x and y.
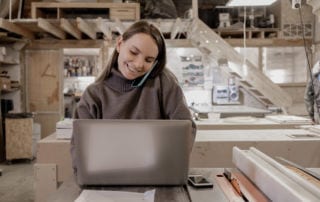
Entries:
{"x":176,"y":28}
{"x":69,"y":28}
{"x":11,"y":27}
{"x":3,"y":34}
{"x":58,"y":44}
{"x":195,"y":9}
{"x":103,"y":27}
{"x":179,"y":43}
{"x":86,"y":28}
{"x":48,"y":27}
{"x":276,"y":42}
{"x":19,"y":45}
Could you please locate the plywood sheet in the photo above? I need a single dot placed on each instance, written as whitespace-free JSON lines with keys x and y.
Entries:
{"x":45,"y":181}
{"x":47,"y":122}
{"x":51,"y":150}
{"x":44,"y":80}
{"x":19,"y":138}
{"x":44,"y":87}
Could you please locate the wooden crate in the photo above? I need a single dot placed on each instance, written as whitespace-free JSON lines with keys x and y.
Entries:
{"x":19,"y":133}
{"x":121,"y":11}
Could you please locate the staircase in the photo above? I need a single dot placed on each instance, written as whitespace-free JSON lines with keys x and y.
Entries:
{"x":248,"y":76}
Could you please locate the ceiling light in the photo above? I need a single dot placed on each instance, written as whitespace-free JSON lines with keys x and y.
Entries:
{"x":250,"y":2}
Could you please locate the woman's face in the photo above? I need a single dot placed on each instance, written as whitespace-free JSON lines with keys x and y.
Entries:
{"x":136,"y":55}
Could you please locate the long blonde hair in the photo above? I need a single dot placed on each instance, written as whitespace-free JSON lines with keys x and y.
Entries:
{"x":136,"y":28}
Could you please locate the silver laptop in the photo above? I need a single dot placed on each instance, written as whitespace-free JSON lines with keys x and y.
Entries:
{"x":132,"y":152}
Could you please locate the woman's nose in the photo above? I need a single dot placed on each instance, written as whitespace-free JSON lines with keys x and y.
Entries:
{"x":139,"y":64}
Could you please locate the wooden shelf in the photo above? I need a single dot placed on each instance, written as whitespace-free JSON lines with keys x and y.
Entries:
{"x":249,"y":33}
{"x":121,"y":11}
{"x":258,"y":37}
{"x":7,"y":60}
{"x":10,"y":90}
{"x":8,"y":55}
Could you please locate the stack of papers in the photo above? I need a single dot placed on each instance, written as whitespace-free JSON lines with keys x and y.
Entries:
{"x":64,"y":129}
{"x":289,"y":119}
{"x":115,"y":196}
{"x":240,"y":119}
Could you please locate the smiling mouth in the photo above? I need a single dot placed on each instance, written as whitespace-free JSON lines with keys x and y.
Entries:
{"x":133,"y":70}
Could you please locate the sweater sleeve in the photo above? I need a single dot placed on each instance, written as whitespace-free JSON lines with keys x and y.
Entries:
{"x":89,"y":105}
{"x":174,"y":104}
{"x":309,"y":99}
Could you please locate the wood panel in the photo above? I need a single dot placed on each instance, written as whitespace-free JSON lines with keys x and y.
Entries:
{"x":45,"y":180}
{"x":19,"y":138}
{"x":124,"y":11}
{"x":47,"y":122}
{"x":44,"y":87}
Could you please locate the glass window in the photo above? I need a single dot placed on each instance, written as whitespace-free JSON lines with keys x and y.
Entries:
{"x":280,"y":64}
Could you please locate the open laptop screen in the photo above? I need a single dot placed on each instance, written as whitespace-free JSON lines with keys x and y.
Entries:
{"x":132,"y":152}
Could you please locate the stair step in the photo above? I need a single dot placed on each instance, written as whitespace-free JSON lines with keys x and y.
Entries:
{"x":256,"y":92}
{"x":265,"y":100}
{"x":245,"y":83}
{"x":235,"y":74}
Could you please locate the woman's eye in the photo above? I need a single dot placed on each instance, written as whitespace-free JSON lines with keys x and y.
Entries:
{"x":133,"y":52}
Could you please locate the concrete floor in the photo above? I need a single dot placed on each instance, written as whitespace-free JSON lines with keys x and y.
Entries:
{"x":16,"y":182}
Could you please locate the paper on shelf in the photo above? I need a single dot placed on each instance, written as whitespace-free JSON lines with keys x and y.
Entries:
{"x":115,"y":196}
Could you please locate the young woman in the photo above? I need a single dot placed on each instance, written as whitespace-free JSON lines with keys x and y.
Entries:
{"x":135,"y":84}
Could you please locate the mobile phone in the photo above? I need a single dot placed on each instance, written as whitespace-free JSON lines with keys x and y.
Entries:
{"x":199,"y":181}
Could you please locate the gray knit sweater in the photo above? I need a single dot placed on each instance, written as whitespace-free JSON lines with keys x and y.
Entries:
{"x":114,"y":98}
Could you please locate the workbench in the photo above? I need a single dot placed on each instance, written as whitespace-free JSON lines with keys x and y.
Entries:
{"x":69,"y":190}
{"x":223,"y":111}
{"x":212,"y":149}
{"x":246,"y":123}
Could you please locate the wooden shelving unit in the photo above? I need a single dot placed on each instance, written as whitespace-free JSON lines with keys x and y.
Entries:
{"x":10,"y":90}
{"x":249,"y":33}
{"x":121,"y":11}
{"x":8,"y":60}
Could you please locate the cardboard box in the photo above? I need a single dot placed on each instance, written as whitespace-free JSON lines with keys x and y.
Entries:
{"x":56,"y":151}
{"x":5,"y":83}
{"x":53,"y":166}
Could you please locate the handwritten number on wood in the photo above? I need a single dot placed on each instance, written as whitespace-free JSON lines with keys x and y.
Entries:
{"x":47,"y":72}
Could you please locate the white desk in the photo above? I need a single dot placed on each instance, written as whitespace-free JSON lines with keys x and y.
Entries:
{"x":212,"y":149}
{"x":245,"y":123}
{"x":69,"y":191}
{"x":223,"y":111}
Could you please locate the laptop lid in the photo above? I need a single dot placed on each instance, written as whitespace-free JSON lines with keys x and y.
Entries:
{"x":132,"y":152}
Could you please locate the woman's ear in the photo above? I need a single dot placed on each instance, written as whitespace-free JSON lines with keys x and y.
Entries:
{"x":119,"y":41}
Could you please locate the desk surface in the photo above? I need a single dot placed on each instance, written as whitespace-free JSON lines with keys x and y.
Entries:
{"x":274,"y":135}
{"x":252,"y":123}
{"x":69,"y":191}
